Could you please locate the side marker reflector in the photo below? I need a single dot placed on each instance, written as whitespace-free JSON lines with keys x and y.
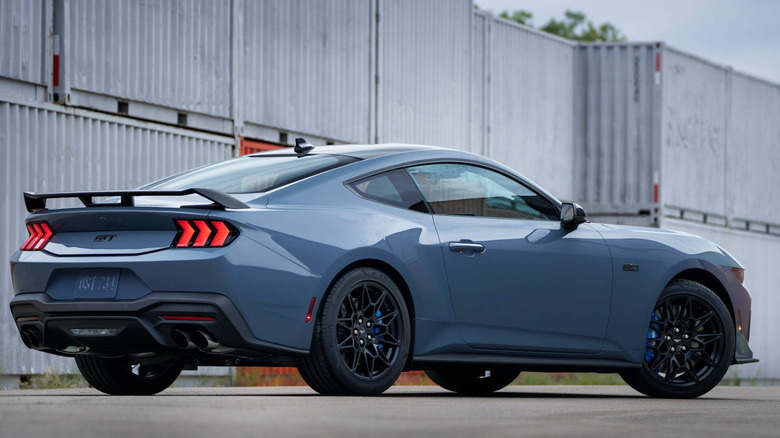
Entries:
{"x":739,"y":320}
{"x":311,"y":308}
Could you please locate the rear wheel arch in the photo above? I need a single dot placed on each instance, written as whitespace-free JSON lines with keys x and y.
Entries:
{"x":398,"y":279}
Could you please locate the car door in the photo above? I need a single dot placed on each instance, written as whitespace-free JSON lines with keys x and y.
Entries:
{"x":517,"y":279}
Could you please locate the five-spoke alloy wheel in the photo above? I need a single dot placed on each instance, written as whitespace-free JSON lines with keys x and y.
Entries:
{"x":690,"y":344}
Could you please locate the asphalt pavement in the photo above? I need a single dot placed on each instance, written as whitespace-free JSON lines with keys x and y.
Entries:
{"x":403,"y":411}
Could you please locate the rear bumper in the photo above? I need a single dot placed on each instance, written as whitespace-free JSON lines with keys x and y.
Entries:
{"x":272,"y":293}
{"x":138,"y":326}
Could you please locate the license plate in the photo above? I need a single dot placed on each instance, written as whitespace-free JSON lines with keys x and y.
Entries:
{"x":97,"y":283}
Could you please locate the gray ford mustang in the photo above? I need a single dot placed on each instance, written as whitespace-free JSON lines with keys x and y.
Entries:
{"x":355,"y":263}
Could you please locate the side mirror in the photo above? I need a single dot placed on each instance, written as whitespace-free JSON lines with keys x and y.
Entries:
{"x":572,"y":215}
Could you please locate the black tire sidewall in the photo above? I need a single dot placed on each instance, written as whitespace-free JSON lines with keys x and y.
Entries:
{"x":642,"y":379}
{"x":469,"y":380}
{"x":327,"y":346}
{"x":114,"y":376}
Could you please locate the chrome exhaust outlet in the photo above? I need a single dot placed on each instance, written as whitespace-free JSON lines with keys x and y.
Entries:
{"x":182,"y":339}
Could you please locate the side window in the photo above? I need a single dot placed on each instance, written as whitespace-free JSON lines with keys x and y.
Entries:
{"x":462,"y":189}
{"x":392,"y":188}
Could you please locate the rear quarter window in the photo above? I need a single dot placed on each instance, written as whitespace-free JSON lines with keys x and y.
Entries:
{"x":392,"y":188}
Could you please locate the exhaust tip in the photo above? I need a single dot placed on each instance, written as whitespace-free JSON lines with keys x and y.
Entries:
{"x":181,"y":339}
{"x":31,"y":338}
{"x":25,"y":339}
{"x":203,"y":341}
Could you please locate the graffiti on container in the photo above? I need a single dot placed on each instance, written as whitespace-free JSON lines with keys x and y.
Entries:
{"x":694,"y":134}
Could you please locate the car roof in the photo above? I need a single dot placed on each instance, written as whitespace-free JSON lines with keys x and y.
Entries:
{"x":361,"y":151}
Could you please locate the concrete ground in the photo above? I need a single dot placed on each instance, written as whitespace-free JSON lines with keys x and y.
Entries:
{"x":403,"y":411}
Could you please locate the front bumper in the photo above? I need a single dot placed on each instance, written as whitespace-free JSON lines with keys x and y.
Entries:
{"x":144,"y":325}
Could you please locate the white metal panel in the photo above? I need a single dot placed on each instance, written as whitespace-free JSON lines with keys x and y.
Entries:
{"x":306,"y":67}
{"x":22,"y":40}
{"x":424,"y":70}
{"x":47,"y":148}
{"x":616,"y":118}
{"x":480,"y":72}
{"x":174,"y":54}
{"x":695,"y":120}
{"x":531,"y":104}
{"x":753,"y":152}
{"x":758,"y":253}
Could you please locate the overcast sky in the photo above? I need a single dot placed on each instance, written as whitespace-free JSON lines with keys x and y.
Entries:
{"x":742,"y":34}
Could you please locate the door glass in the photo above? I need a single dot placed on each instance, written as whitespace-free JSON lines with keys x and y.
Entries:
{"x":462,"y":189}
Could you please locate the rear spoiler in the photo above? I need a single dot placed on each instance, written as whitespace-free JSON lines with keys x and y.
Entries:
{"x":221,"y":200}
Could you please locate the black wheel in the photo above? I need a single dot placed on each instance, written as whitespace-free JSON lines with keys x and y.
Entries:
{"x":472,"y":380}
{"x":690,"y":344}
{"x":123,"y":376}
{"x":361,"y":338}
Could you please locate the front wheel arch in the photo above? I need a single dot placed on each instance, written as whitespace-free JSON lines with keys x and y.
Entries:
{"x":710,"y":281}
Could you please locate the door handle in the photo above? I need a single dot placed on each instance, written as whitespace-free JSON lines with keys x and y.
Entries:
{"x":467,"y":247}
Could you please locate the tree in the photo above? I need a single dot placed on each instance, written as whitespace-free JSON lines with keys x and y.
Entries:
{"x":521,"y":16}
{"x":574,"y":26}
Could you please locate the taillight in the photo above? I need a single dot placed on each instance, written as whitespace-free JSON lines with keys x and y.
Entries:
{"x":40,"y":234}
{"x":203,"y":233}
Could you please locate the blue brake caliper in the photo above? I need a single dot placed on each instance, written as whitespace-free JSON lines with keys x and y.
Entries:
{"x":651,"y":334}
{"x":376,"y":329}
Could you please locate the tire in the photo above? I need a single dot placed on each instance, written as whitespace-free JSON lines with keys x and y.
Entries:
{"x":472,"y":381}
{"x":690,"y":344}
{"x":120,"y":376}
{"x":361,"y":337}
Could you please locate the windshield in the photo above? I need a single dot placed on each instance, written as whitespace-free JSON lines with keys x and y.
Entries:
{"x":251,"y":174}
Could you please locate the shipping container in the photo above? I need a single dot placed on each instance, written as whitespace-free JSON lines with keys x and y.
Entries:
{"x":617,"y":130}
{"x":531,"y":104}
{"x":45,"y":147}
{"x":174,"y":54}
{"x":23,"y":29}
{"x":424,"y":72}
{"x":480,"y":74}
{"x":306,"y":69}
{"x":753,"y":153}
{"x":696,"y":106}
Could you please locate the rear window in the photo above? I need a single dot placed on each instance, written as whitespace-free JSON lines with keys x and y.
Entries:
{"x":252,"y":174}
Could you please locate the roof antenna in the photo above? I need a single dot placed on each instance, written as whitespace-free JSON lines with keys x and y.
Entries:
{"x":302,"y":147}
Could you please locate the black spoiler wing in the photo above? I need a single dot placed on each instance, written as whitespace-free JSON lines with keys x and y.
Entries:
{"x":221,"y":200}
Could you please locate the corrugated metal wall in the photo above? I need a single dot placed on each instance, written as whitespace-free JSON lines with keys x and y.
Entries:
{"x":23,"y":37}
{"x":48,"y":148}
{"x":531,"y":104}
{"x":175,"y":54}
{"x":424,"y":72}
{"x":308,"y":72}
{"x":753,"y":152}
{"x":695,"y":122}
{"x":480,"y":74}
{"x":755,"y":252}
{"x":617,"y":115}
